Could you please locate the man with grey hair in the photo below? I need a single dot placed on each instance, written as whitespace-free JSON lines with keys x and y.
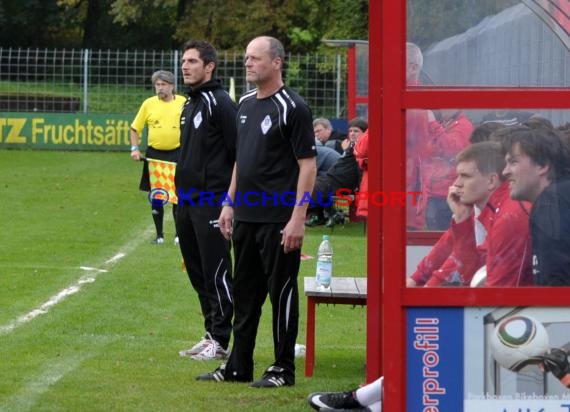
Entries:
{"x":416,"y":135}
{"x":326,"y":135}
{"x":276,"y":167}
{"x":161,"y":115}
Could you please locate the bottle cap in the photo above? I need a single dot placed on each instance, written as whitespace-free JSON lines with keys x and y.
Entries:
{"x":325,"y":237}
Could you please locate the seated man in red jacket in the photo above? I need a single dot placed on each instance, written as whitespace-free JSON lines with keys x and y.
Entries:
{"x":487,"y":228}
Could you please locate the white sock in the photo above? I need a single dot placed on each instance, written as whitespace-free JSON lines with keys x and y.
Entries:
{"x":375,"y":407}
{"x":371,"y":393}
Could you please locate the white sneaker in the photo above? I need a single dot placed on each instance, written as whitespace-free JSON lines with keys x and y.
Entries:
{"x":213,"y":351}
{"x":176,"y":241}
{"x":197,"y":348}
{"x":158,"y":241}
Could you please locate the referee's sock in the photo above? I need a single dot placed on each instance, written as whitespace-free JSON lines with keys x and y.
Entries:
{"x":158,"y":217}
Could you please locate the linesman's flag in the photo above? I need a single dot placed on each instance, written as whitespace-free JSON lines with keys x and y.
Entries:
{"x":161,"y":175}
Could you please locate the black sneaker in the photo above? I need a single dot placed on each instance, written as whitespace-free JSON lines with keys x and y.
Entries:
{"x":219,"y":375}
{"x":323,"y":401}
{"x":273,"y":377}
{"x":215,"y":376}
{"x":314,"y":220}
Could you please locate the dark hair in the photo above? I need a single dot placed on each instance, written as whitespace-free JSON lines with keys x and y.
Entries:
{"x":358,"y":122}
{"x":482,"y":132}
{"x":206,"y":51}
{"x":545,"y":147}
{"x":488,"y":156}
{"x":538,"y":121}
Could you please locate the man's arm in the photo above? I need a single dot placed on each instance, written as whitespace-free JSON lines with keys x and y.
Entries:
{"x":294,"y":231}
{"x":465,"y":258}
{"x":439,"y":257}
{"x":226,"y":219}
{"x":508,"y":248}
{"x":135,"y":141}
{"x":433,"y":261}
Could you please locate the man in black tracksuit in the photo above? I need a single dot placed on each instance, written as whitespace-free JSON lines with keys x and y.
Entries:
{"x":203,"y":174}
{"x":275,"y":168}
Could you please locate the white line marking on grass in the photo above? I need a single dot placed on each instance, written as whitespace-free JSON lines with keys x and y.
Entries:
{"x":116,"y":258}
{"x":26,"y":398}
{"x":73,"y":288}
{"x":89,"y":268}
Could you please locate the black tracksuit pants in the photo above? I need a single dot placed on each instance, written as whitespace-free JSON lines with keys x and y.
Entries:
{"x":208,"y":262}
{"x":261,"y":268}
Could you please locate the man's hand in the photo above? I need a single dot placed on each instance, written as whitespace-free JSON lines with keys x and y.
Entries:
{"x":460,"y":210}
{"x":556,"y":362}
{"x":226,"y":221}
{"x":136,"y":155}
{"x":293,"y":235}
{"x":411,"y":283}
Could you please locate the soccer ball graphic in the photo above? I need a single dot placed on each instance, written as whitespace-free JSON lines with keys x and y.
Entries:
{"x":519,"y":341}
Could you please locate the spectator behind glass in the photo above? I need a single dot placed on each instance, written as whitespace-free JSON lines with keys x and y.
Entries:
{"x":416,"y":136}
{"x":325,"y":134}
{"x":437,"y":164}
{"x":506,"y":117}
{"x":484,"y":220}
{"x":538,"y":162}
{"x":483,"y":132}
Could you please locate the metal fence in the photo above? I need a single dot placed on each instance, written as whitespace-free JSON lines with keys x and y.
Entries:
{"x":117,"y":81}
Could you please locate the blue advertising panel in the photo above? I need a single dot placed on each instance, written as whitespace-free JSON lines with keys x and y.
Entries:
{"x":435,"y":359}
{"x":488,"y":359}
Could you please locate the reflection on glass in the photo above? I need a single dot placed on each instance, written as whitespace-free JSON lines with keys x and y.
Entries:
{"x":499,"y":165}
{"x":492,"y":43}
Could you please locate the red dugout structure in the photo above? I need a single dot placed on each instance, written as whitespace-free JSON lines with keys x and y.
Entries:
{"x":389,"y":301}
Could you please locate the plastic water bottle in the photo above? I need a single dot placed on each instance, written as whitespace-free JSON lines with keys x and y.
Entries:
{"x":324,"y":263}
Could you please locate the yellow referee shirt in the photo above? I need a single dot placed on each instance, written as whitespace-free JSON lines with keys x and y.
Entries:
{"x":163,"y":121}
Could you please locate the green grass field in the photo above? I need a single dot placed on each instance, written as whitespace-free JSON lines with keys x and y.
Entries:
{"x":73,"y":339}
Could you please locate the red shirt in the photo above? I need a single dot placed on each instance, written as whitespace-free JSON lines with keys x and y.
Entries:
{"x":506,"y":250}
{"x":417,"y":134}
{"x":361,"y":155}
{"x":437,"y":156}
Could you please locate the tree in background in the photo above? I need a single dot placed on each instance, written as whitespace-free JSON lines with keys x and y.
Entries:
{"x":165,"y":24}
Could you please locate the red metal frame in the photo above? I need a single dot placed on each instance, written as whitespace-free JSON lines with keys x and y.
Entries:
{"x":353,"y":99}
{"x":374,"y":335}
{"x":312,"y":301}
{"x":422,"y":238}
{"x":351,"y":85}
{"x":388,"y":297}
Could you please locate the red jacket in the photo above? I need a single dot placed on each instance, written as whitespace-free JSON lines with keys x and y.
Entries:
{"x":437,"y":156}
{"x":417,"y":134}
{"x":506,"y":250}
{"x":361,"y":155}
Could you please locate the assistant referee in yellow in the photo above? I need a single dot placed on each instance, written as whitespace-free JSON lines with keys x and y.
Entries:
{"x":161,"y":115}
